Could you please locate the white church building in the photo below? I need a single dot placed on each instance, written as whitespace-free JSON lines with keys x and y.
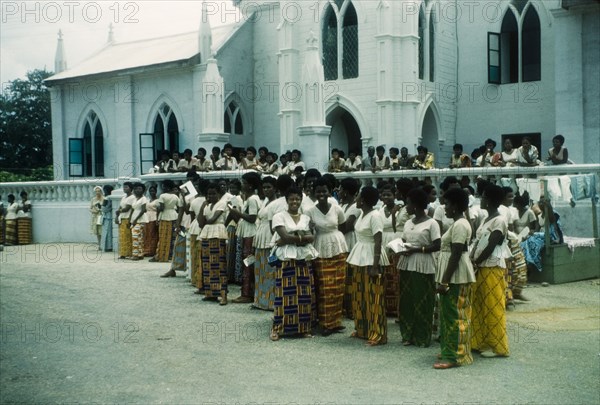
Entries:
{"x":347,"y":74}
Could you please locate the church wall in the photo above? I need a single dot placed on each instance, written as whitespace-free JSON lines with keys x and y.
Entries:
{"x":236,"y":66}
{"x":591,"y":87}
{"x":490,"y":110}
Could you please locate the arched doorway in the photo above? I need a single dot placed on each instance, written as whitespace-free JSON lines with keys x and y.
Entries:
{"x":345,"y":133}
{"x":429,"y":133}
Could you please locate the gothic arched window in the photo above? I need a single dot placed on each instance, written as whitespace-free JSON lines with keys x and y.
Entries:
{"x":340,"y":40}
{"x":531,"y":51}
{"x":233,"y":123}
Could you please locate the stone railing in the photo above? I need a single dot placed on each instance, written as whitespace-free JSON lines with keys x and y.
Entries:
{"x":61,"y":208}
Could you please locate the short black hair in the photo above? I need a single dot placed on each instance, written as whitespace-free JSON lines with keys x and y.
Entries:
{"x":494,"y":195}
{"x":293,"y":190}
{"x":253,"y":179}
{"x":560,"y":139}
{"x":457,"y":146}
{"x":395,"y":150}
{"x":270,"y":180}
{"x":418,"y":197}
{"x":139,"y":184}
{"x":284,"y":182}
{"x":369,"y":195}
{"x":422,"y":148}
{"x":351,"y":185}
{"x":320,"y":182}
{"x":251,"y":149}
{"x":458,"y":198}
{"x":447,"y":182}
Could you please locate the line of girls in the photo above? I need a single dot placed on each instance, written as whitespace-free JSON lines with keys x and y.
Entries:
{"x":16,"y":221}
{"x":313,"y":259}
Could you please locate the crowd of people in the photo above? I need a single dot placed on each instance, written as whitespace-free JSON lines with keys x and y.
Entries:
{"x":290,"y":162}
{"x":313,"y":250}
{"x":15,"y":221}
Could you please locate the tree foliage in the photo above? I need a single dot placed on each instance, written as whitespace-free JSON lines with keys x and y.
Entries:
{"x":25,"y":124}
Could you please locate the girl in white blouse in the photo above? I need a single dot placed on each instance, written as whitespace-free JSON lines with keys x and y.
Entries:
{"x":368,"y":261}
{"x":330,"y":267}
{"x":389,"y":213}
{"x":264,"y":273}
{"x":349,"y":188}
{"x":246,"y":230}
{"x":489,"y":299}
{"x":417,"y":264}
{"x":138,"y":221}
{"x":213,"y":243}
{"x":455,"y":276}
{"x":10,"y":221}
{"x":295,"y":306}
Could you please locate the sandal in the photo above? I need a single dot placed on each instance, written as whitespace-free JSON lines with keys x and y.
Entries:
{"x":354,"y":334}
{"x":443,"y":365}
{"x":407,"y":343}
{"x":373,"y":343}
{"x":274,"y":336}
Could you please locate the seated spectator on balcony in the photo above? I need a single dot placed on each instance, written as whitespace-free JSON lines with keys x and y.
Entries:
{"x":509,"y":154}
{"x":96,"y":211}
{"x":284,"y":165}
{"x":424,"y":159}
{"x":404,"y":161}
{"x":368,"y":162}
{"x":527,"y":154}
{"x":165,"y":164}
{"x":558,"y":154}
{"x":262,"y":158}
{"x":188,"y":162}
{"x":296,"y":161}
{"x":382,"y":162}
{"x":394,"y":159}
{"x":458,"y":158}
{"x":353,"y":163}
{"x":227,"y":161}
{"x":214,"y":157}
{"x":336,"y":164}
{"x":204,"y":164}
{"x":270,"y":167}
{"x":11,"y":221}
{"x":250,"y":161}
{"x":489,"y":158}
{"x":176,"y":160}
{"x":477,"y":152}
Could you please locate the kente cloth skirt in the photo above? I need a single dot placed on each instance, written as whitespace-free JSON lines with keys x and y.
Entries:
{"x":24,"y":231}
{"x":294,"y":305}
{"x":214,"y":272}
{"x":178,"y":262}
{"x":330,"y":277}
{"x":150,"y":239}
{"x":455,"y":324}
{"x":247,"y":289}
{"x":10,"y":231}
{"x":368,"y":305}
{"x":166,"y":241}
{"x":137,"y":240}
{"x":264,"y":280}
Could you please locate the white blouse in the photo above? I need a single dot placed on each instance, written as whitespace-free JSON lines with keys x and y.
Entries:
{"x":292,"y":252}
{"x":420,"y":235}
{"x":21,"y":213}
{"x":125,"y":201}
{"x":501,"y":252}
{"x":350,"y":211}
{"x":459,"y":232}
{"x":388,"y":228}
{"x":137,"y":209}
{"x":329,"y":241}
{"x":170,"y":202}
{"x":263,"y":237}
{"x":247,"y":229}
{"x":195,"y":206}
{"x":11,"y":211}
{"x":217,"y":229}
{"x":363,"y":253}
{"x":524,"y":220}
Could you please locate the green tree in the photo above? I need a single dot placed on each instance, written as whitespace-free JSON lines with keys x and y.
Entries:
{"x":25,"y":124}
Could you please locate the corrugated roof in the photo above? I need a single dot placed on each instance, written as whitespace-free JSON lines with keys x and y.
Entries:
{"x":135,"y":54}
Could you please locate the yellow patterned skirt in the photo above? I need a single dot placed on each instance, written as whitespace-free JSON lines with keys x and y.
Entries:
{"x":368,"y":306}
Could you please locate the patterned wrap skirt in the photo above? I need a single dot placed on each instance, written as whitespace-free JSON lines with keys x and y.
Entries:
{"x":10,"y":231}
{"x":214,"y":272}
{"x":294,"y":305}
{"x":150,"y":239}
{"x":125,"y":238}
{"x":330,"y":278}
{"x":348,"y":292}
{"x":178,"y":262}
{"x":455,"y":324}
{"x":106,"y":239}
{"x":264,"y":280}
{"x":247,"y":271}
{"x":24,"y":231}
{"x":368,"y":301}
{"x":137,"y":240}
{"x":392,"y":289}
{"x":231,"y":252}
{"x":489,"y":314}
{"x":166,"y":241}
{"x":517,"y":269}
{"x":417,"y":300}
{"x":196,"y":272}
{"x":1,"y":229}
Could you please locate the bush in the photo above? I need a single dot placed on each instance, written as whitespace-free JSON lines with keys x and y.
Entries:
{"x":39,"y":174}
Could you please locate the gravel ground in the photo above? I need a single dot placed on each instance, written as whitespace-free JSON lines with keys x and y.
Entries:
{"x":80,"y":327}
